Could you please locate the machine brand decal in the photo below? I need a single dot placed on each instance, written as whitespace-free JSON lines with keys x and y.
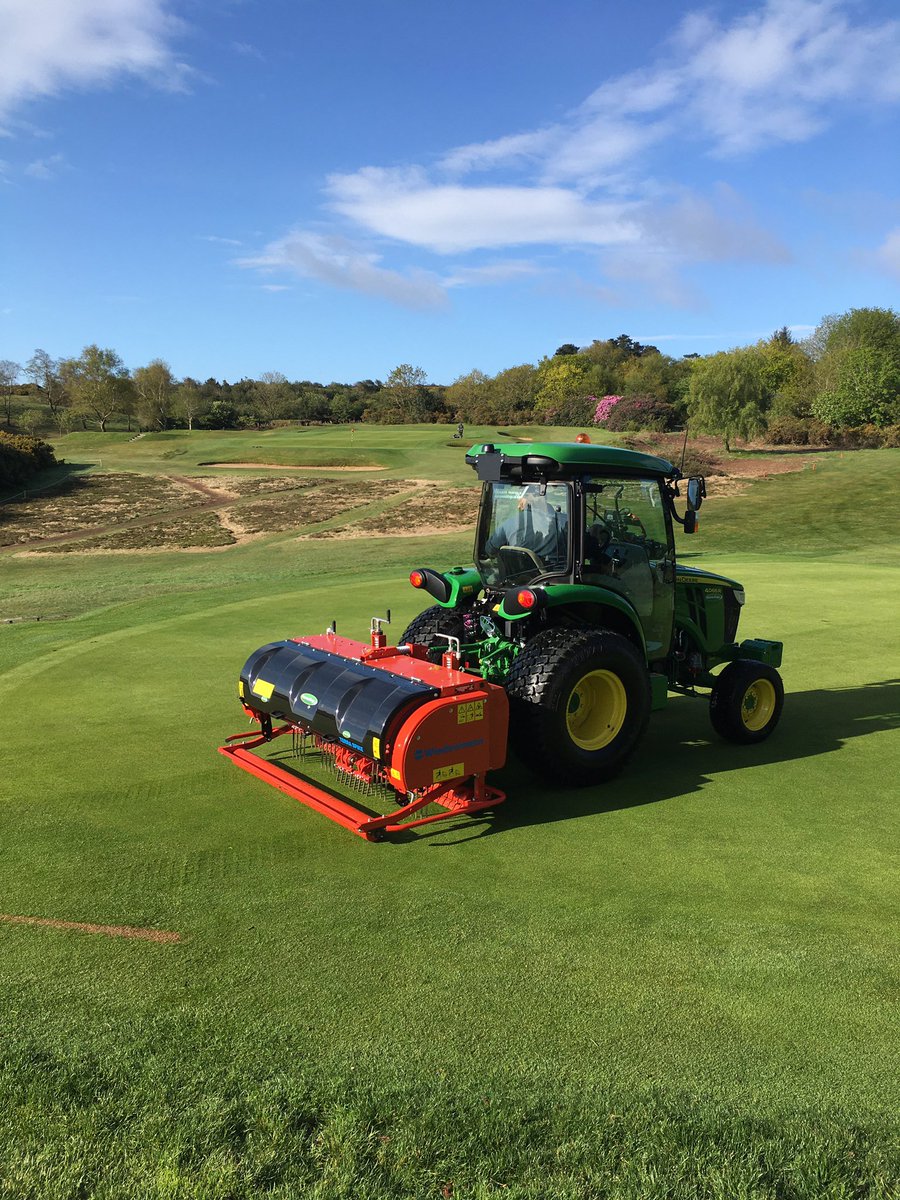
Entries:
{"x":472,"y":710}
{"x":309,"y":699}
{"x":263,"y":689}
{"x":353,"y":745}
{"x":430,"y":753}
{"x":442,"y":774}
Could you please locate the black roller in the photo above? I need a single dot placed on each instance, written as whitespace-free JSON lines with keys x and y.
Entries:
{"x":330,"y":694}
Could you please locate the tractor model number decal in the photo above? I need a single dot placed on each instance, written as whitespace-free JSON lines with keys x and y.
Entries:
{"x":442,"y":774}
{"x":472,"y":710}
{"x":263,"y":689}
{"x":430,"y":753}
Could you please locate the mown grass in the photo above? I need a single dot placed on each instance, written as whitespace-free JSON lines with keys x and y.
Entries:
{"x":681,"y":985}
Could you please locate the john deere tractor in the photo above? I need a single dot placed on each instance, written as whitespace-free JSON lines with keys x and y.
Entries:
{"x":577,"y":607}
{"x":573,"y":624}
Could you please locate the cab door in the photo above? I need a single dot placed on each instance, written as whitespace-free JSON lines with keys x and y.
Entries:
{"x":629,"y":548}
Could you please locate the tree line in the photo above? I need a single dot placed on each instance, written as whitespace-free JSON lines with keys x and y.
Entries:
{"x":845,"y":376}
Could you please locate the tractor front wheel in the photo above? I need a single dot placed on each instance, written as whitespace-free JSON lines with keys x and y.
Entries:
{"x":426,"y":628}
{"x":579,"y":704}
{"x":746,"y":702}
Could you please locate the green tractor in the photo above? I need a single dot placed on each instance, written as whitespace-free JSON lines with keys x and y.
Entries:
{"x":577,"y":607}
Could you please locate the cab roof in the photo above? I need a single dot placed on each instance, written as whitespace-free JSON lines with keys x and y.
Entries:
{"x":562,"y":459}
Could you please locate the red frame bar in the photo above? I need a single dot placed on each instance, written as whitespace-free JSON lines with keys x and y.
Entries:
{"x":459,"y":799}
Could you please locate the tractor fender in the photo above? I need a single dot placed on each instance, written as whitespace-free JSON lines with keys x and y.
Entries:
{"x":596,"y":607}
{"x":450,"y":589}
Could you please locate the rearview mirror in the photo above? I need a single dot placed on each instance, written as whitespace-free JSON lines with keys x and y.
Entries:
{"x":696,"y":490}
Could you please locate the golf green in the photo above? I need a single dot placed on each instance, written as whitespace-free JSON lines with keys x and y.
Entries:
{"x":681,"y":984}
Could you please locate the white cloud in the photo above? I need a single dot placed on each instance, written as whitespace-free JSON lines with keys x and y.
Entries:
{"x":491,"y":274}
{"x":219,"y":241}
{"x":776,"y":74}
{"x":47,"y":46}
{"x":46,"y":168}
{"x":335,"y":261}
{"x":887,"y":256}
{"x":449,"y":218}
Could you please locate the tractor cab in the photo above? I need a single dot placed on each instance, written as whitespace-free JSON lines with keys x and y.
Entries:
{"x":595,"y":516}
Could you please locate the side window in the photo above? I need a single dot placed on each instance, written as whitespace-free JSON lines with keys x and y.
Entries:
{"x":627,"y":549}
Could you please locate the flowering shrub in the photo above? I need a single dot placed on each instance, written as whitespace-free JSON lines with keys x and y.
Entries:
{"x":642,"y":412}
{"x":604,"y":408}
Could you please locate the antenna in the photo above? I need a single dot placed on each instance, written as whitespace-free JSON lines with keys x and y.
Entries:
{"x":683,"y":449}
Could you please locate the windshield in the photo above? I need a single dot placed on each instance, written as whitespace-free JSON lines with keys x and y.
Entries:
{"x":522,"y":534}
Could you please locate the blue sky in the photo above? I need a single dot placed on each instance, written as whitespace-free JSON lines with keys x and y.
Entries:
{"x":329,"y":188}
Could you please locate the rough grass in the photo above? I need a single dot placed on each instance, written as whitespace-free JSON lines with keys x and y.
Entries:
{"x":681,"y":985}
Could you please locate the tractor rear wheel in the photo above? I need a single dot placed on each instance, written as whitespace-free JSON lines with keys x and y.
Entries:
{"x":428,"y":625}
{"x":579,"y":704}
{"x":746,"y":701}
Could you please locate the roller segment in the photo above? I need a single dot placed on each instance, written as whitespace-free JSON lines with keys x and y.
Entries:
{"x":328,"y":693}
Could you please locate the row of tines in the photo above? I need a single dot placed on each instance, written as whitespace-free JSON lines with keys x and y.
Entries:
{"x":349,"y":768}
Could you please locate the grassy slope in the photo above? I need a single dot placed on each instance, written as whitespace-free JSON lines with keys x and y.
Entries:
{"x":683,"y":985}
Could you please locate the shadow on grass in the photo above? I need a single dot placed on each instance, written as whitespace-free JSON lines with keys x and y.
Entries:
{"x":681,"y":753}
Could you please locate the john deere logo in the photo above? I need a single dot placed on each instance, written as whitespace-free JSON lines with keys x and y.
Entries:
{"x":309,"y":699}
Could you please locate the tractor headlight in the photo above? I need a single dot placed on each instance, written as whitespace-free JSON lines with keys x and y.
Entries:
{"x":739,"y":595}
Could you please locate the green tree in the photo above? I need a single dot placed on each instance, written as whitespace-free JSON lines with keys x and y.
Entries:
{"x":404,"y":397}
{"x":864,"y":392}
{"x":511,"y":394}
{"x":9,"y":374}
{"x":155,"y":388}
{"x":468,"y":397}
{"x":563,"y":383}
{"x":564,"y":349}
{"x":98,"y":382}
{"x":271,"y":398}
{"x":727,"y":395}
{"x":32,"y":421}
{"x":189,"y":403}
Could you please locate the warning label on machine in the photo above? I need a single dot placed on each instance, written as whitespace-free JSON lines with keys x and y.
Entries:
{"x":473,"y":710}
{"x":442,"y":774}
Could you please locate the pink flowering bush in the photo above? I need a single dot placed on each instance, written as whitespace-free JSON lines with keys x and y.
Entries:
{"x":604,"y":408}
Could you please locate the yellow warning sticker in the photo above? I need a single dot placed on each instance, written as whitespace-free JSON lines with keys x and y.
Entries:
{"x":442,"y":774}
{"x":263,"y":689}
{"x":471,"y":710}
{"x":395,"y":774}
{"x":241,"y":688}
{"x":376,"y":747}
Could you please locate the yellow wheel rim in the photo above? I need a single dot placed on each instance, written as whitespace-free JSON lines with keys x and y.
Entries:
{"x":596,"y":710}
{"x":758,"y":705}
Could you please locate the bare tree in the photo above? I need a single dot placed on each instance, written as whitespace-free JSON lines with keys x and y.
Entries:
{"x":9,"y":374}
{"x":44,"y":373}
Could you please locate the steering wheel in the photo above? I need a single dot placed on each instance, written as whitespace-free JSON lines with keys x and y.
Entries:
{"x":528,"y":554}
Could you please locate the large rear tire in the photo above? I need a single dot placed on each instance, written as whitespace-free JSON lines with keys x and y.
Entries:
{"x":579,"y":704}
{"x":746,"y":702}
{"x":426,"y":627}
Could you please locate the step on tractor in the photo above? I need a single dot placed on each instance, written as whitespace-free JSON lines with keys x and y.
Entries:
{"x":575,"y":621}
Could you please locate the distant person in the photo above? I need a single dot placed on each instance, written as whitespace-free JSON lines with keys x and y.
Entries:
{"x":460,"y":429}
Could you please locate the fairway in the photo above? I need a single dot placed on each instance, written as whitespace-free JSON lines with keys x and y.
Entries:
{"x":683,"y":984}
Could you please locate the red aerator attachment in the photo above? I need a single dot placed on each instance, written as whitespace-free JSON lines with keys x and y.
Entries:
{"x":431,"y":736}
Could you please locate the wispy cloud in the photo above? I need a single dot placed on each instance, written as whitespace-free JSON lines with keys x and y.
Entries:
{"x":887,"y":257}
{"x":47,"y":46}
{"x":219,"y":241}
{"x":724,"y":88}
{"x":46,"y":168}
{"x":336,"y":261}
